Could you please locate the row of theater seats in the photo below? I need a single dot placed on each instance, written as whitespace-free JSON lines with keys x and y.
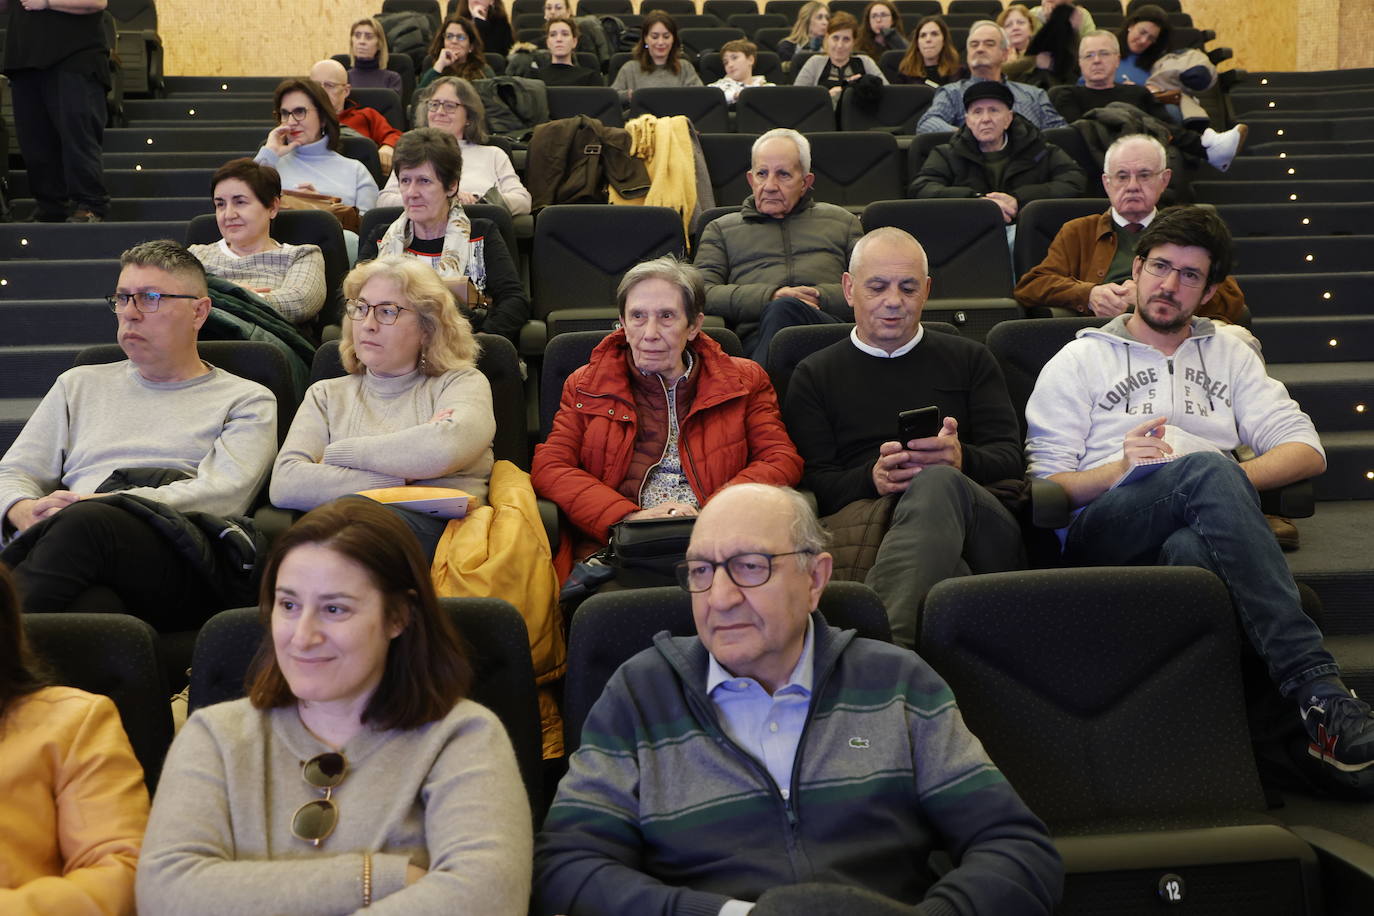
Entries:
{"x":1102,"y":739}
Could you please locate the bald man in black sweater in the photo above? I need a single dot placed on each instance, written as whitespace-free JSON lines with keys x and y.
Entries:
{"x":841,"y":411}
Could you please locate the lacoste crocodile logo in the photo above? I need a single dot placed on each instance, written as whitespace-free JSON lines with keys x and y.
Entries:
{"x":859,"y":743}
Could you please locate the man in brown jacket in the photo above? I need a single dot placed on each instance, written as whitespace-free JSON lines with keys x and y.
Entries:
{"x":1088,"y":267}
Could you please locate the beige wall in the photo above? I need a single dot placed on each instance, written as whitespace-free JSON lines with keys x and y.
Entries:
{"x":284,"y":37}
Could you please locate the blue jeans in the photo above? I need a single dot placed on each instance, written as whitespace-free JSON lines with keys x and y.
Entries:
{"x":1201,"y":510}
{"x":784,"y":312}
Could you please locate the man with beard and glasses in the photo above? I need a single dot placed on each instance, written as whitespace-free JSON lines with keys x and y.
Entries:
{"x":1137,"y":421}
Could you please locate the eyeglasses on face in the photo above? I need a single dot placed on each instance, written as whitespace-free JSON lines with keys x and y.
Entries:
{"x":437,"y":105}
{"x":1123,"y":178}
{"x":456,"y":38}
{"x":747,"y":570}
{"x":293,"y":114}
{"x":1161,"y":268}
{"x":315,"y":820}
{"x":146,"y":302}
{"x":1095,"y":55}
{"x":387,"y":312}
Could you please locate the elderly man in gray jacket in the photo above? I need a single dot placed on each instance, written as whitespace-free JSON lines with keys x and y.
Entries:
{"x":778,"y":261}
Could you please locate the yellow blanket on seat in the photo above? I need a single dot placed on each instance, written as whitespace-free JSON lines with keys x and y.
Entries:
{"x":665,"y":145}
{"x":500,"y":550}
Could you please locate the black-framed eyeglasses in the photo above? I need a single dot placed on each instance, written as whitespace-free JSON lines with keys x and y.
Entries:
{"x":747,"y":570}
{"x":315,"y":820}
{"x":146,"y":302}
{"x":445,"y":105}
{"x":1188,"y":276}
{"x":387,"y":312}
{"x":293,"y":114}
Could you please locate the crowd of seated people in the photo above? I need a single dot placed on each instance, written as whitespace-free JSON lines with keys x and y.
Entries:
{"x":360,"y":685}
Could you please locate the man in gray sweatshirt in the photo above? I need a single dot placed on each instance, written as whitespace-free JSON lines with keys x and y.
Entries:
{"x":162,"y":408}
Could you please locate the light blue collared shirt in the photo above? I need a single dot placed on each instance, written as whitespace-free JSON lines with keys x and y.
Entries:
{"x":767,"y":727}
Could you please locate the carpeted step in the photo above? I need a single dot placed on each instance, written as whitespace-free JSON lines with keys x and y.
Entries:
{"x":1282,"y":192}
{"x":194,"y":111}
{"x":1356,"y":657}
{"x":1349,"y":470}
{"x":1338,"y":396}
{"x":1336,"y":561}
{"x":130,"y":182}
{"x":241,"y":141}
{"x":30,"y":371}
{"x":1273,"y":295}
{"x":1303,"y":254}
{"x":14,"y":413}
{"x":1316,"y":339}
{"x":202,"y":85}
{"x":71,"y":241}
{"x":58,"y":279}
{"x":57,"y":321}
{"x":1279,"y":168}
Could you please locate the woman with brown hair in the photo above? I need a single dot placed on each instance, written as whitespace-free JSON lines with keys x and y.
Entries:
{"x":304,"y":145}
{"x":840,"y":66}
{"x":74,"y":805}
{"x":880,"y":30}
{"x":658,"y":59}
{"x":355,"y":773}
{"x":457,"y":50}
{"x":932,"y":58}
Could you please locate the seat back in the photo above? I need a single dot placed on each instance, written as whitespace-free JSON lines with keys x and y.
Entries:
{"x":254,"y":360}
{"x":898,"y":108}
{"x":500,"y":364}
{"x":724,"y":9}
{"x":965,"y":241}
{"x":913,"y":10}
{"x":804,"y":108}
{"x":298,"y":227}
{"x":767,"y":38}
{"x":727,"y":162}
{"x":1022,"y":347}
{"x":1039,"y":221}
{"x":430,"y":9}
{"x":702,"y":105}
{"x":697,"y":41}
{"x":611,"y":627}
{"x":114,"y":655}
{"x":582,"y":250}
{"x":855,"y":168}
{"x":749,"y":23}
{"x":792,"y":345}
{"x":600,"y":102}
{"x":604,"y":7}
{"x":566,"y":353}
{"x":1084,"y":685}
{"x":365,"y":151}
{"x":496,"y":636}
{"x":387,"y":103}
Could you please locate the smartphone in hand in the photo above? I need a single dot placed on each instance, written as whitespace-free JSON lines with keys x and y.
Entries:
{"x":918,"y":423}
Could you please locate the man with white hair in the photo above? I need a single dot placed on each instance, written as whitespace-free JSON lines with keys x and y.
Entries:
{"x":1088,"y":266}
{"x":739,"y":771}
{"x":777,"y":262}
{"x":366,"y":122}
{"x":986,"y":52}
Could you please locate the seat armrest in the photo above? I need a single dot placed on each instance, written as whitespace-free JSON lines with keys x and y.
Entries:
{"x":548,"y":514}
{"x":273,"y":522}
{"x":1295,"y":500}
{"x":1347,"y":869}
{"x":534,"y":334}
{"x":1049,"y":504}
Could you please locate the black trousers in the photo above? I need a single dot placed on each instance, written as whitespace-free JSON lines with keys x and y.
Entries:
{"x":91,"y":545}
{"x":60,"y":119}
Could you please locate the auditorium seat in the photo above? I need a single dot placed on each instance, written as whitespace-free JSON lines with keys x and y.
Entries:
{"x":804,"y":108}
{"x":1038,"y":222}
{"x":855,"y":168}
{"x":600,"y":102}
{"x":727,"y":161}
{"x":898,"y":109}
{"x":702,"y":105}
{"x":697,"y":41}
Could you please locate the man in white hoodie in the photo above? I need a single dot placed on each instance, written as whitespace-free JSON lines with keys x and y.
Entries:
{"x":1137,"y":420}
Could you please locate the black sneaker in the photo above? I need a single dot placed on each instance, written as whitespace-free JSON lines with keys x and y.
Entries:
{"x":1341,"y":732}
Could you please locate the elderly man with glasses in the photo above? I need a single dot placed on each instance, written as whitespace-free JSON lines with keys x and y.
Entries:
{"x":1090,"y":262}
{"x":164,"y":427}
{"x":776,"y":763}
{"x":1137,"y":421}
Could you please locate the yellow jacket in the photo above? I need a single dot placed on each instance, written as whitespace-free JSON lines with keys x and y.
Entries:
{"x":500,"y":550}
{"x":665,"y":145}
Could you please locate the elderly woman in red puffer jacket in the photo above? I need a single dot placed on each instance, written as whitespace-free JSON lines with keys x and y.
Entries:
{"x":660,"y":418}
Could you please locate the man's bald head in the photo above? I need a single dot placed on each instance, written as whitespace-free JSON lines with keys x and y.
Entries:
{"x":334,"y":78}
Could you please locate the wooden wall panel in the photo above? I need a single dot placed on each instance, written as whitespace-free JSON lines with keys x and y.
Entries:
{"x":284,"y":37}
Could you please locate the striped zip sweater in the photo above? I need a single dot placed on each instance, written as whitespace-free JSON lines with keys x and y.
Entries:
{"x":661,"y":813}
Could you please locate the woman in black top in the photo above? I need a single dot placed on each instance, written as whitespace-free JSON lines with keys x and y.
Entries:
{"x":491,"y":20}
{"x":932,"y":58}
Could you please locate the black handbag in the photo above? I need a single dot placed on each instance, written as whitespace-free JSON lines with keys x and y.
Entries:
{"x":645,"y":550}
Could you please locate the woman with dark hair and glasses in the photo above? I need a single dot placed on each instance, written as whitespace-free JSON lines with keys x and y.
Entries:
{"x":457,"y":50}
{"x":355,"y":773}
{"x":413,"y":408}
{"x":74,"y":805}
{"x":304,"y":145}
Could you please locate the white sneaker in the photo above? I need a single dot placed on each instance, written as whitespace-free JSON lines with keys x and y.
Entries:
{"x":1223,"y":147}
